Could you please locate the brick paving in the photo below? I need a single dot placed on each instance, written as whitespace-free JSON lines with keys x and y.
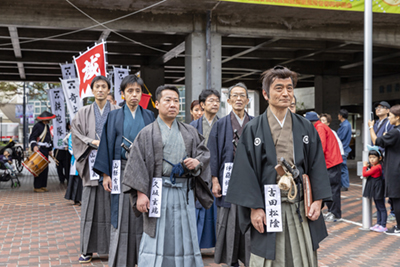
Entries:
{"x":42,"y":229}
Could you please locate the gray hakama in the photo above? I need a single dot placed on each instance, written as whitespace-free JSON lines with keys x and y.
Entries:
{"x":87,"y":126}
{"x":125,"y":240}
{"x":95,"y":220}
{"x":175,"y":242}
{"x":231,"y":244}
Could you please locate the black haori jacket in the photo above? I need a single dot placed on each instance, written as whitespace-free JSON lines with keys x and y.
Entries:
{"x":254,"y":167}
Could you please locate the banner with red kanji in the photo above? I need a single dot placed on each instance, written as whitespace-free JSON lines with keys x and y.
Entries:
{"x":90,"y":64}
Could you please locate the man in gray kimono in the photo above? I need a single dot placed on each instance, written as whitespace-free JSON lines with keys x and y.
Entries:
{"x":290,"y":236}
{"x":168,"y":159}
{"x":86,"y":130}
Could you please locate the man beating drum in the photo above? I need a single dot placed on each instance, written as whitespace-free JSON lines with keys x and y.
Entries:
{"x":40,"y":141}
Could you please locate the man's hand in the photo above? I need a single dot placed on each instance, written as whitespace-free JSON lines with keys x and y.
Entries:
{"x":51,"y":153}
{"x":216,"y":187}
{"x":96,"y":142}
{"x":107,"y":183}
{"x":258,"y":219}
{"x":143,"y":202}
{"x":191,"y":163}
{"x":315,"y":210}
{"x":371,"y":123}
{"x":35,"y":149}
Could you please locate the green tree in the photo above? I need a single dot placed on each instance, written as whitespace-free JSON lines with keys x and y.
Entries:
{"x":34,"y":90}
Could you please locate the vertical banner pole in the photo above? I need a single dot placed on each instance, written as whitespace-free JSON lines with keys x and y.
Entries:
{"x":368,"y":45}
{"x":24,"y":117}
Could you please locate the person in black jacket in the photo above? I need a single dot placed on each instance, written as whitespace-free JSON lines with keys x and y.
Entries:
{"x":40,"y":140}
{"x":391,"y":143}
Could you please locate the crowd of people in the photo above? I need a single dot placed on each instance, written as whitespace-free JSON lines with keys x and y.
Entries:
{"x":155,"y":191}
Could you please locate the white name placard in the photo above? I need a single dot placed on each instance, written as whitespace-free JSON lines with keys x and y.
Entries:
{"x":155,"y":198}
{"x":92,"y":159}
{"x":273,"y":208}
{"x":116,"y":177}
{"x":227,"y":177}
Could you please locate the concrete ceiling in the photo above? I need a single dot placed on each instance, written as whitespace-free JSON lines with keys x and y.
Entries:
{"x":35,"y":36}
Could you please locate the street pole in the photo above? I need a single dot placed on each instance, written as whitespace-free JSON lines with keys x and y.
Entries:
{"x":208,"y":50}
{"x":368,"y":44}
{"x":24,"y":118}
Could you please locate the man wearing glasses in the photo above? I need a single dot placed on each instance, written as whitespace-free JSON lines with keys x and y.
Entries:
{"x":209,"y":100}
{"x":231,"y":245}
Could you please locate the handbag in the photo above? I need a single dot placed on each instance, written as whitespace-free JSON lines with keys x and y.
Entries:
{"x":308,"y":198}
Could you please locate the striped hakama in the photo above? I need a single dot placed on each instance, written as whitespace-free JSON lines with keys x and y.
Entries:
{"x":95,"y":220}
{"x":125,"y":240}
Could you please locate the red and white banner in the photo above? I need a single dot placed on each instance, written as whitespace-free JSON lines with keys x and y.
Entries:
{"x":90,"y":64}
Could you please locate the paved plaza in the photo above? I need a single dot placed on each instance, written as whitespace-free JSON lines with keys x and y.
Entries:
{"x":42,"y":229}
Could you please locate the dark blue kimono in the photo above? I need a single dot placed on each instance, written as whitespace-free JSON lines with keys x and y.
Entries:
{"x":221,"y":151}
{"x":110,"y":146}
{"x":206,"y":219}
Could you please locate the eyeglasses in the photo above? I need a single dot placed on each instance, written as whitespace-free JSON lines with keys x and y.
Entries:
{"x":380,"y":107}
{"x":212,"y":100}
{"x":234,"y":96}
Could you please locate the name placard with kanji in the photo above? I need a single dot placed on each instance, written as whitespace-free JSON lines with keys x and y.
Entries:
{"x":155,"y":198}
{"x":273,"y":208}
{"x":116,"y":177}
{"x":92,"y":159}
{"x":227,"y":177}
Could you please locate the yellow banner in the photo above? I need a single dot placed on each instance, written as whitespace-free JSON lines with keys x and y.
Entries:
{"x":379,"y":6}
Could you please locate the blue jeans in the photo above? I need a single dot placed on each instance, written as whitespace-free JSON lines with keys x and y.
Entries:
{"x":345,"y":171}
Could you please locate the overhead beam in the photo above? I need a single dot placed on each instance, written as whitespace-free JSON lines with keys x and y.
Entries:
{"x":173,"y":53}
{"x":377,"y":59}
{"x":21,"y":70}
{"x":104,"y":35}
{"x":15,"y":41}
{"x":240,"y":76}
{"x":17,"y":50}
{"x":249,"y":50}
{"x":313,"y":53}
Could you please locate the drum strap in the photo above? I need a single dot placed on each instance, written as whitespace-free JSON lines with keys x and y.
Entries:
{"x":43,"y":135}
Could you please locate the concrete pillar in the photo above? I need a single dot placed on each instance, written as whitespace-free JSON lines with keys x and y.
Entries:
{"x":327,"y":97}
{"x":153,"y":76}
{"x":195,"y":66}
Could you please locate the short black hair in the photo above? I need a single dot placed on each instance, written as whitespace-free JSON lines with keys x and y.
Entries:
{"x":344,"y":113}
{"x":112,"y":96}
{"x":102,"y":78}
{"x":165,"y":87}
{"x":374,"y":153}
{"x":278,"y":72}
{"x":206,"y":93}
{"x":131,"y":79}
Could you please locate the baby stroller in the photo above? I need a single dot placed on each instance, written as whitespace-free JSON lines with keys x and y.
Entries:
{"x":6,"y":175}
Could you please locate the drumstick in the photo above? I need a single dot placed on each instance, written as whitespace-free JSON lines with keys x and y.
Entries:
{"x":55,"y":160}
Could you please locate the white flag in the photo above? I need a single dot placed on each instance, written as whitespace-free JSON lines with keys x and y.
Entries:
{"x":119,"y":75}
{"x":57,"y":103}
{"x":71,"y":92}
{"x":68,"y":70}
